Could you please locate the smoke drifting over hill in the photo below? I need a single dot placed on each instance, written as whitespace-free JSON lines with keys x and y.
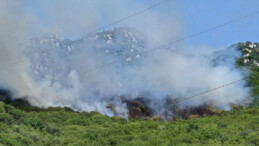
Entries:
{"x":58,"y":72}
{"x":14,"y":31}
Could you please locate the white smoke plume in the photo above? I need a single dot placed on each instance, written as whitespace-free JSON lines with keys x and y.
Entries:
{"x":59,"y":72}
{"x":14,"y":76}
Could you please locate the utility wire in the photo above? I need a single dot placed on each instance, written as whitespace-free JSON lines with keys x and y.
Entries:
{"x":132,"y":15}
{"x":165,"y":45}
{"x":129,"y":16}
{"x":181,"y":39}
{"x":176,"y":41}
{"x":204,"y":31}
{"x":12,"y":64}
{"x":222,"y":86}
{"x":103,"y":27}
{"x":205,"y":92}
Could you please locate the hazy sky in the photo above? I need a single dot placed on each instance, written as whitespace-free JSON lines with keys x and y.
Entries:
{"x":194,"y":16}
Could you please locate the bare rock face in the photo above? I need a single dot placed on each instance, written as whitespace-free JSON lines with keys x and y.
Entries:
{"x":51,"y":55}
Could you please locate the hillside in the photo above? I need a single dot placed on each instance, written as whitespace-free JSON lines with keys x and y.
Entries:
{"x":126,"y":73}
{"x":62,"y":126}
{"x":114,"y":71}
{"x":24,"y":124}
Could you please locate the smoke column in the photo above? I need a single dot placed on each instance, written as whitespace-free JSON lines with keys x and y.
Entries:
{"x":54,"y":76}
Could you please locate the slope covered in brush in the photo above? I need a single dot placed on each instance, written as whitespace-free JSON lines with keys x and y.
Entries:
{"x":62,"y":126}
{"x":31,"y":125}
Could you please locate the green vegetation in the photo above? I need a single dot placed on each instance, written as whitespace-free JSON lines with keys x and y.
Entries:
{"x":23,"y":124}
{"x":254,"y":83}
{"x":62,"y":126}
{"x":250,"y":62}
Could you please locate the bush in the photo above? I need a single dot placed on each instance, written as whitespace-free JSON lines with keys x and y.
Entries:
{"x":68,"y":109}
{"x":192,"y":127}
{"x":253,"y":138}
{"x":24,"y":140}
{"x":99,"y":119}
{"x":17,"y":114}
{"x":245,"y":133}
{"x":77,"y":121}
{"x":53,"y":131}
{"x":2,"y":109}
{"x":6,"y":118}
{"x":61,"y":127}
{"x":36,"y":123}
{"x":6,"y":139}
{"x":222,"y":125}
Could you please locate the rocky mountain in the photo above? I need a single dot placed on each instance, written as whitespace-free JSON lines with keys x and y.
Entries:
{"x":51,"y":55}
{"x":250,"y":54}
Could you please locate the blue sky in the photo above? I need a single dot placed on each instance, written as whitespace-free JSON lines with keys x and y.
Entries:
{"x":206,"y":13}
{"x":194,"y":16}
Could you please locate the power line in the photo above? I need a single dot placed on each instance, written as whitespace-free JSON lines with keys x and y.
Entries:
{"x":204,"y":31}
{"x":103,"y":27}
{"x":164,"y":45}
{"x":181,"y":39}
{"x":14,"y":63}
{"x":205,"y":92}
{"x":132,"y":15}
{"x":176,"y":41}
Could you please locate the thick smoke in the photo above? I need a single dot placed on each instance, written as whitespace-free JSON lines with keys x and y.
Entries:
{"x":14,"y":31}
{"x":78,"y":73}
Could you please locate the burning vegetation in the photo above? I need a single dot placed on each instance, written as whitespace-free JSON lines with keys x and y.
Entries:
{"x":5,"y":95}
{"x":137,"y":108}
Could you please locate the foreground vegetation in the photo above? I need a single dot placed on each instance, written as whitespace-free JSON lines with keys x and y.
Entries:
{"x":62,"y":126}
{"x":23,"y":124}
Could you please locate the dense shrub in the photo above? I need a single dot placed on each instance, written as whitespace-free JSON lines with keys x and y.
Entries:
{"x":6,"y":118}
{"x":253,"y":138}
{"x":53,"y":131}
{"x":2,"y":108}
{"x":36,"y":123}
{"x":77,"y":121}
{"x":59,"y":126}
